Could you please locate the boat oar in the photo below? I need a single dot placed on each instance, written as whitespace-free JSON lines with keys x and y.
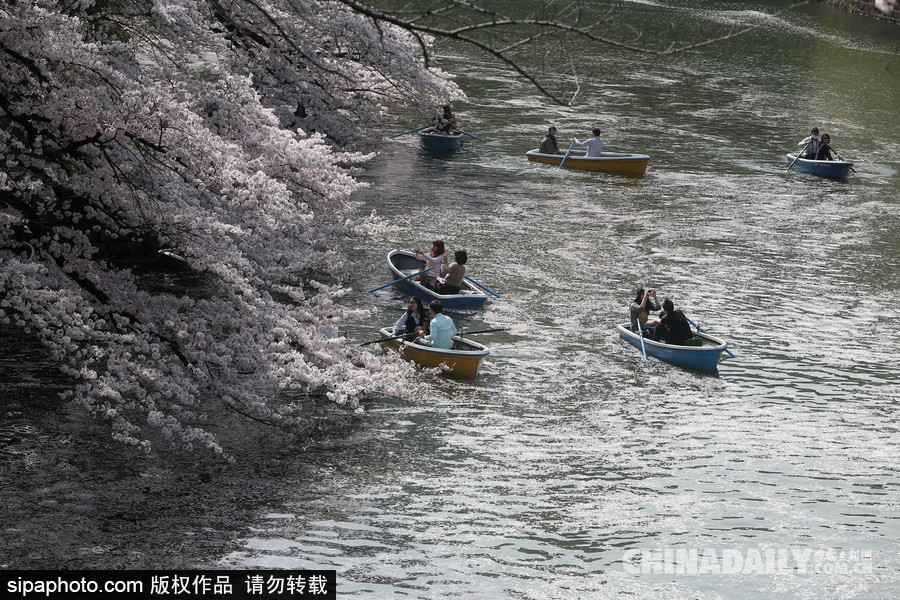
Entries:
{"x":641,"y":334}
{"x":567,"y":154}
{"x":470,"y":135}
{"x":841,"y":159}
{"x":485,"y":288}
{"x":512,"y":329}
{"x":381,"y":287}
{"x":798,"y":155}
{"x":410,"y":131}
{"x":730,"y":353}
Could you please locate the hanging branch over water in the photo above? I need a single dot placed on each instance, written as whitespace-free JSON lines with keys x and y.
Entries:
{"x":510,"y":37}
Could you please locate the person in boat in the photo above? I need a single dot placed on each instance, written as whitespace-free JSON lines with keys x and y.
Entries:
{"x":594,"y":145}
{"x":414,"y":321}
{"x":644,"y":303}
{"x":442,"y":328}
{"x":445,"y":123}
{"x":810,"y":144}
{"x":672,"y":327}
{"x":433,"y":262}
{"x":824,"y":151}
{"x":453,"y":274}
{"x":549,"y":145}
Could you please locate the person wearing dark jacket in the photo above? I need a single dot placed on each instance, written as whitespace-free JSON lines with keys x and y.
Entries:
{"x":824,"y":151}
{"x":672,"y":327}
{"x":549,"y":145}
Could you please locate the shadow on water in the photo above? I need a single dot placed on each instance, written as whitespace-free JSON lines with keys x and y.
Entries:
{"x":73,"y":498}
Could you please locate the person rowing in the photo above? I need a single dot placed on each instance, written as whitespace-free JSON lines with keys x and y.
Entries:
{"x":643,"y":304}
{"x":594,"y":145}
{"x":433,"y":262}
{"x":810,"y":144}
{"x":445,"y":123}
{"x":412,"y":322}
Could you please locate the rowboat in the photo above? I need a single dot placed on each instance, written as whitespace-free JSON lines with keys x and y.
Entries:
{"x":440,"y":142}
{"x":462,"y":360}
{"x":403,"y":263}
{"x":833,"y":169}
{"x":702,"y":358}
{"x":608,"y":162}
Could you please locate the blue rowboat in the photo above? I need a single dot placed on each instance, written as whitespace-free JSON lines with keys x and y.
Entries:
{"x":440,"y":142}
{"x":403,"y":263}
{"x":833,"y":169}
{"x":702,"y":358}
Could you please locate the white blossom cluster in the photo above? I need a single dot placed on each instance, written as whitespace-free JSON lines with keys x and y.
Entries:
{"x":214,"y":128}
{"x":885,"y":6}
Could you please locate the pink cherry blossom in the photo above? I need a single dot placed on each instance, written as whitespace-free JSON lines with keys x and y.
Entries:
{"x":226,"y":131}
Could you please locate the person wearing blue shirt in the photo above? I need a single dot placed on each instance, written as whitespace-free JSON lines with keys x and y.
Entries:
{"x":442,"y":328}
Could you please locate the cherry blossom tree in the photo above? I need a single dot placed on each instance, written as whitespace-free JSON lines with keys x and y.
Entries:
{"x":214,"y":128}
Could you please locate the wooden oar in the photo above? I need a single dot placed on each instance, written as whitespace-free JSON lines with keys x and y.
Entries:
{"x":701,"y":330}
{"x":470,"y":135}
{"x":381,"y":287}
{"x":842,"y":160}
{"x":567,"y":154}
{"x":512,"y":329}
{"x":798,"y":155}
{"x":485,"y":288}
{"x":410,"y":131}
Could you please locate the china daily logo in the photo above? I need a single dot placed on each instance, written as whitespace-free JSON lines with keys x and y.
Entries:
{"x":753,"y":561}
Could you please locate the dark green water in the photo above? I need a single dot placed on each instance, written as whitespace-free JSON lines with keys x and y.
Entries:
{"x":569,"y":460}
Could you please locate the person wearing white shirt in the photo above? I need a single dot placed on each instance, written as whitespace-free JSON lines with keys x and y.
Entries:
{"x":433,"y":262}
{"x":813,"y":141}
{"x":594,"y":145}
{"x":413,"y":321}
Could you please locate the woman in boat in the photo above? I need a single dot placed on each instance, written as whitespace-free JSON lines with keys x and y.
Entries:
{"x":414,"y":321}
{"x":824,"y":151}
{"x":672,"y":327}
{"x":645,"y":302}
{"x":433,"y":261}
{"x":445,"y":123}
{"x":810,"y":144}
{"x":594,"y":145}
{"x":454,"y":273}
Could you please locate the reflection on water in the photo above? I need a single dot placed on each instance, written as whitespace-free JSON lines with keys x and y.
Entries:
{"x":567,"y":452}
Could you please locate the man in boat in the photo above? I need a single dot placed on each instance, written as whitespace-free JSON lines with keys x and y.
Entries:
{"x":445,"y":123}
{"x":442,"y":328}
{"x":824,"y":151}
{"x":594,"y":145}
{"x":643,"y":303}
{"x":811,"y":144}
{"x":549,"y":144}
{"x":672,"y":327}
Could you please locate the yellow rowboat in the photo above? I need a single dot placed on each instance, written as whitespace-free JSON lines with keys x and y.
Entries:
{"x":608,"y":162}
{"x":462,"y":360}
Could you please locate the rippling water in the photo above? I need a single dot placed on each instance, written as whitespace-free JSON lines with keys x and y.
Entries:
{"x":569,"y":459}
